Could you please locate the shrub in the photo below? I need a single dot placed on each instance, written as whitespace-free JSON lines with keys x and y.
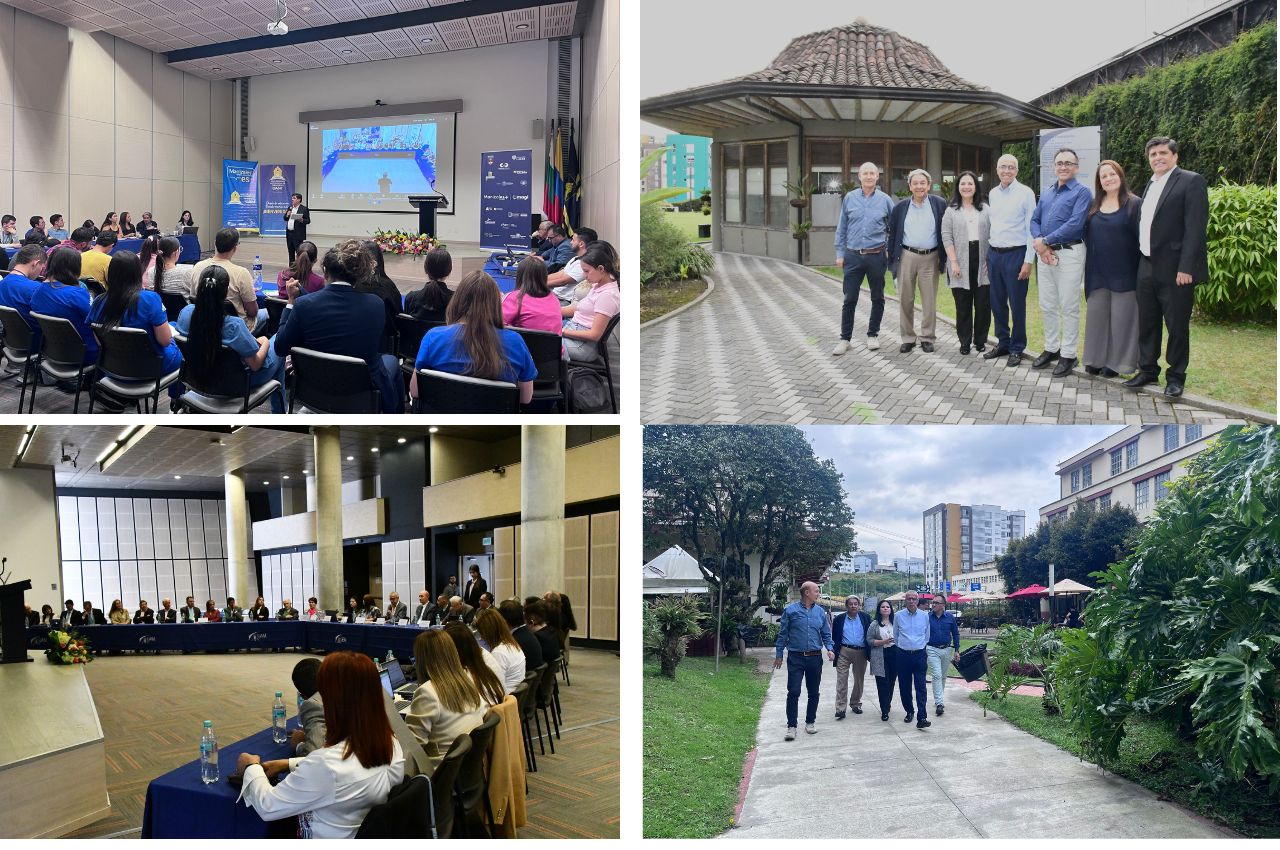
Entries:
{"x":1242,"y":252}
{"x":664,"y":254}
{"x":669,"y":624}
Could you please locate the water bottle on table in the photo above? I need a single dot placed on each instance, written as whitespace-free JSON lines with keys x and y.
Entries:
{"x":278,"y":733}
{"x":208,"y":755}
{"x":257,"y":274}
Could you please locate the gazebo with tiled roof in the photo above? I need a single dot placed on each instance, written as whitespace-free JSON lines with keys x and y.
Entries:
{"x":830,"y":101}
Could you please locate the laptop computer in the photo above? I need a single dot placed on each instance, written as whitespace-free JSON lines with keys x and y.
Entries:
{"x":401,"y":703}
{"x":399,"y":683}
{"x":190,"y":231}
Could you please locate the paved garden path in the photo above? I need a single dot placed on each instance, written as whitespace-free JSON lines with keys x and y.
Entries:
{"x":967,"y":776}
{"x":758,"y":350}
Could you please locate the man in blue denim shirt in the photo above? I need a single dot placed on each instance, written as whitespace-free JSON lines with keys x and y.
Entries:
{"x":943,"y":649}
{"x":804,"y":632}
{"x":1057,"y":231}
{"x":861,"y":236}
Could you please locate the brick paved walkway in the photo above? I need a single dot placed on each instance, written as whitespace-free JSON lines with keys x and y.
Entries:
{"x":758,"y":350}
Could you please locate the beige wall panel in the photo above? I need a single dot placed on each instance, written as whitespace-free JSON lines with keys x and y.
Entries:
{"x":6,"y":189}
{"x":132,"y":195}
{"x":41,"y":63}
{"x":95,"y":145}
{"x":195,"y":197}
{"x":91,"y":197}
{"x":166,"y":157}
{"x":577,"y":565}
{"x":6,"y":133}
{"x":93,"y":67}
{"x":134,"y":152}
{"x":39,"y":141}
{"x":166,"y":97}
{"x":38,"y":193}
{"x":603,"y":624}
{"x":133,"y":86}
{"x":195,"y":161}
{"x":195,"y":108}
{"x":591,"y":471}
{"x":29,"y":528}
{"x":504,"y":563}
{"x":166,"y":202}
{"x":453,"y":457}
{"x":6,"y":53}
{"x":222,"y":122}
{"x":217,"y":153}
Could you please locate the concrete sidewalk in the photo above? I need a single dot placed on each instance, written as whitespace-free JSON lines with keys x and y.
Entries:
{"x":967,"y":776}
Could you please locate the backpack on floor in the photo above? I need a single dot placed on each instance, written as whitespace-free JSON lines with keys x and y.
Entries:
{"x":588,"y":391}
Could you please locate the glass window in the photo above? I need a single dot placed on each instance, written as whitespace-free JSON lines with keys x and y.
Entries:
{"x":1170,"y":437}
{"x":826,"y":167}
{"x":1075,"y":480}
{"x":778,"y":206}
{"x":731,"y":162}
{"x":1104,"y":501}
{"x":904,"y":158}
{"x":860,"y":152}
{"x":754,"y":161}
{"x":1087,"y":475}
{"x":1161,"y":485}
{"x":1192,"y":433}
{"x":1117,"y":461}
{"x":1131,"y":455}
{"x":1140,"y":493}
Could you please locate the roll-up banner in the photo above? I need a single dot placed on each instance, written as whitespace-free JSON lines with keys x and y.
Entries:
{"x":505,"y":187}
{"x":239,"y":194}
{"x":275,"y":185}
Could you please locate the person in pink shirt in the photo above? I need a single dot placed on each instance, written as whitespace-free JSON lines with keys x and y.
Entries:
{"x":585,"y":322}
{"x":531,"y":304}
{"x":304,"y":260}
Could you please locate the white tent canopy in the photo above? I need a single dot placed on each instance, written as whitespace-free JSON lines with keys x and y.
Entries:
{"x":675,"y":571}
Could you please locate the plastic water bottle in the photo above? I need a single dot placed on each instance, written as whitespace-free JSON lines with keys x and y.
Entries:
{"x":257,"y":273}
{"x":208,"y":755}
{"x":278,"y":733}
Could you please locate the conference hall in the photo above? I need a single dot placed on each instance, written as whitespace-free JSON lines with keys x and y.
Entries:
{"x":330,"y":174}
{"x":227,"y":631}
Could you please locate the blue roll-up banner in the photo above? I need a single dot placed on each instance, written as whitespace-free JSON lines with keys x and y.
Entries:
{"x":275,"y":185}
{"x":506,"y":182}
{"x":239,"y":194}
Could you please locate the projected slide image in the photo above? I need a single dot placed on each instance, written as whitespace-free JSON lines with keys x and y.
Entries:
{"x":397,"y":159}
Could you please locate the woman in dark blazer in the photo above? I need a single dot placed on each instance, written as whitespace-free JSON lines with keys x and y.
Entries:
{"x":1111,"y":275}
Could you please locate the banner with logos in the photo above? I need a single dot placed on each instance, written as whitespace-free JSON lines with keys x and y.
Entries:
{"x":1087,"y":142}
{"x":275,"y":185}
{"x":505,"y":189}
{"x":239,"y":194}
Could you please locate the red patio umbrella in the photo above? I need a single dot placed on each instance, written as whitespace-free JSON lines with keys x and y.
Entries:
{"x":1034,"y":590}
{"x":955,"y":597}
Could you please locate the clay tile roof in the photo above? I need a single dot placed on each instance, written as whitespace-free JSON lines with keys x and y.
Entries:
{"x":860,"y":54}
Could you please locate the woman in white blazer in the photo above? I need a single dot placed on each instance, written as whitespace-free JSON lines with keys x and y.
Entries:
{"x":447,"y":703}
{"x":966,"y":228}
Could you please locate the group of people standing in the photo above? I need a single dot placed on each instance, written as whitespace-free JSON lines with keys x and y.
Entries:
{"x":1136,"y":257}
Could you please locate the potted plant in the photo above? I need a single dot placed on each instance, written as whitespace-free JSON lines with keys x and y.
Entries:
{"x":800,"y":229}
{"x":800,"y":192}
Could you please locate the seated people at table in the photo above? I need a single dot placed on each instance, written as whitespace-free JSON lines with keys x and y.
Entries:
{"x":354,"y":613}
{"x":189,"y":613}
{"x":144,"y":614}
{"x":167,"y":613}
{"x":31,"y":617}
{"x":80,"y":239}
{"x":301,"y":270}
{"x":185,"y":220}
{"x":165,"y":274}
{"x":439,"y":611}
{"x":93,"y":226}
{"x":36,"y":234}
{"x":110,"y":223}
{"x":240,"y":288}
{"x":372,"y":611}
{"x":233,"y":613}
{"x":148,"y":227}
{"x":310,"y":711}
{"x":429,"y":303}
{"x":558,"y":250}
{"x":127,"y":229}
{"x":535,"y":615}
{"x":287,"y":611}
{"x":333,"y":788}
{"x":211,"y":612}
{"x":396,"y":610}
{"x":70,"y":616}
{"x":207,"y":328}
{"x":377,"y":283}
{"x":117,"y":615}
{"x":91,"y":616}
{"x":513,"y":613}
{"x":585,"y":322}
{"x":566,"y":281}
{"x":94,"y":262}
{"x":259,"y":611}
{"x":20,"y":285}
{"x":127,"y":305}
{"x":459,"y":611}
{"x":475,"y":343}
{"x":486,"y":675}
{"x":486,"y":601}
{"x":422,"y":613}
{"x":531,"y":305}
{"x":46,"y":615}
{"x":447,"y":703}
{"x":503,"y":646}
{"x":9,"y":230}
{"x":313,"y":611}
{"x":58,"y":227}
{"x":339,"y":320}
{"x":538,"y":241}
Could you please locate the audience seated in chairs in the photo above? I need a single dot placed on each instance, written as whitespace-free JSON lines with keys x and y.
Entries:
{"x":302,"y":271}
{"x":503,"y":646}
{"x":94,"y":262}
{"x":382,"y":286}
{"x":58,"y":227}
{"x":127,"y":305}
{"x":475,"y":343}
{"x":447,"y":703}
{"x":163,"y":274}
{"x":429,"y":303}
{"x":20,"y":285}
{"x":242,"y":296}
{"x":586,"y":321}
{"x":340,"y":320}
{"x":566,"y":281}
{"x":208,"y":327}
{"x":9,"y":230}
{"x":127,"y":230}
{"x":484,"y":669}
{"x":63,"y":296}
{"x":81,"y":239}
{"x":531,"y":304}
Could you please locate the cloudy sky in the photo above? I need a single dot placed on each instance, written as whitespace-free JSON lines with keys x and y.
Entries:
{"x":687,"y":44}
{"x":894,"y":473}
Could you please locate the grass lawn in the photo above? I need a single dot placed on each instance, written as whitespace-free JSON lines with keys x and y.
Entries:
{"x":697,"y":729}
{"x":688,"y":223}
{"x":657,"y":299}
{"x":1154,"y":756}
{"x":1250,"y":379}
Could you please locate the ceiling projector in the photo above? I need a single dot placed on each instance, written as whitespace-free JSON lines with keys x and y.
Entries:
{"x":277,"y":28}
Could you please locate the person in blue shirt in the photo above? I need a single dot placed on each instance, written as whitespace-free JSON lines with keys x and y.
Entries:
{"x":127,"y":305}
{"x":803,"y":632}
{"x":58,"y":228}
{"x":20,"y":285}
{"x":943,"y":649}
{"x":475,"y":343}
{"x":63,"y":296}
{"x":36,"y":233}
{"x":1057,"y":231}
{"x":911,"y":636}
{"x":917,"y":258}
{"x":849,"y":634}
{"x":862,"y":236}
{"x":558,"y":250}
{"x":207,"y":327}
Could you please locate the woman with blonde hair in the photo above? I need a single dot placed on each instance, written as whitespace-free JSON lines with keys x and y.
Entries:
{"x":503,"y":646}
{"x":484,"y":670}
{"x":117,"y":615}
{"x":447,"y":703}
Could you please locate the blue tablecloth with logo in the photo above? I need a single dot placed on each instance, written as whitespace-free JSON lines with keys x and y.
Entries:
{"x":370,"y":639}
{"x":190,"y":248}
{"x":504,"y":275}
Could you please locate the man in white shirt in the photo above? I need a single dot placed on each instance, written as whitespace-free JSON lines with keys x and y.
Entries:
{"x":1009,"y":259}
{"x":564,"y":282}
{"x":911,"y":635}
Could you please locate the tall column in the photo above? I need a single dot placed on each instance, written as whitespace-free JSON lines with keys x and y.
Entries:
{"x":328,"y":489}
{"x":241,"y":576}
{"x":541,"y":509}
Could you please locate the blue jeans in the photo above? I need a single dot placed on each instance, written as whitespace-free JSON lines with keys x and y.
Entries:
{"x":1008,"y":295}
{"x":856,"y":267}
{"x":911,"y":669}
{"x":808,"y":668}
{"x":272,"y":369}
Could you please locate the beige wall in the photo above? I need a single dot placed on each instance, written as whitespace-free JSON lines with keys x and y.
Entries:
{"x":359,"y":519}
{"x":600,"y":119}
{"x":91,"y":123}
{"x":29,"y":534}
{"x":456,"y":457}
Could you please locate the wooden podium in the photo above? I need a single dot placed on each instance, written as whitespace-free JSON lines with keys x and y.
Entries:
{"x":13,"y":622}
{"x":426,"y":205}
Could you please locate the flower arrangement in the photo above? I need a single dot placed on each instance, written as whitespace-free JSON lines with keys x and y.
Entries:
{"x":404,"y":242}
{"x":68,"y":648}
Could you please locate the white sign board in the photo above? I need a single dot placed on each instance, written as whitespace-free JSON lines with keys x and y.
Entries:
{"x":1085,"y":141}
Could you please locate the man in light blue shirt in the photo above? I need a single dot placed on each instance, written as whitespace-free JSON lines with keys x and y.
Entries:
{"x":803,"y":632}
{"x":57,"y":228}
{"x":916,"y":259}
{"x":911,"y":635}
{"x":861,"y":237}
{"x":1057,"y":228}
{"x":1009,"y":259}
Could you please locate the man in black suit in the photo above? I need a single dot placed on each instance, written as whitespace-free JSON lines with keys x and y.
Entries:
{"x":475,"y":586}
{"x":514,"y":615}
{"x":167,"y":613}
{"x":849,"y":634}
{"x":190,"y":613}
{"x":1173,"y":242}
{"x":90,"y":616}
{"x":296,"y":219}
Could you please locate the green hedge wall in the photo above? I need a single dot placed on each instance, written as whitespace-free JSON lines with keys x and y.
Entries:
{"x":1242,"y":254}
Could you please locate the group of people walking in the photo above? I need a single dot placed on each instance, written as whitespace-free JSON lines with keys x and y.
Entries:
{"x":897,"y":646}
{"x":1136,"y":257}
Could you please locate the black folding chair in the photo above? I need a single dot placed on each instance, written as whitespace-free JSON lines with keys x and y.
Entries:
{"x":229,"y":391}
{"x":443,"y":780}
{"x":545,"y":702}
{"x":333,"y":383}
{"x":601,"y":363}
{"x":275,"y":309}
{"x":547,"y":348}
{"x":61,"y":356}
{"x":173,"y":304}
{"x":130,"y":369}
{"x":409,"y":334}
{"x":441,"y":392}
{"x":472,"y":786}
{"x":523,"y":693}
{"x":17,"y":356}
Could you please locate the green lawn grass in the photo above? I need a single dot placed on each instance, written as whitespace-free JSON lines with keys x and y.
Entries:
{"x":1156,"y":757}
{"x":697,"y":729}
{"x":1234,"y":363}
{"x":688,"y":223}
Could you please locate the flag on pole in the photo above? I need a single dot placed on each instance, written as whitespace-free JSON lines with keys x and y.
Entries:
{"x":549,"y":180}
{"x":572,"y":184}
{"x":553,"y":190}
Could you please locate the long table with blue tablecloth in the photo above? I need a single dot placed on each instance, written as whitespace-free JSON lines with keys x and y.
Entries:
{"x":502,"y":270}
{"x":190,"y":248}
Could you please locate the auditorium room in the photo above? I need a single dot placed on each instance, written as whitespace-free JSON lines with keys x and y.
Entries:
{"x":325,"y":632}
{"x":309,"y":206}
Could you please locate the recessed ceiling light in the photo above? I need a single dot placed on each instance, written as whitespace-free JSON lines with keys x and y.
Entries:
{"x":278,"y":61}
{"x":266,"y":483}
{"x":284,"y":478}
{"x":346,"y":53}
{"x":402,"y":441}
{"x":374,"y":449}
{"x":215,"y":69}
{"x":433,"y":429}
{"x":350,"y":457}
{"x":305,"y":471}
{"x":177,"y":478}
{"x":428,"y":40}
{"x":522,"y":26}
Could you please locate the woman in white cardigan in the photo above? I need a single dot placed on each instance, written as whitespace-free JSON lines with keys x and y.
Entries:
{"x":503,"y":647}
{"x":966,"y":227}
{"x":447,"y":703}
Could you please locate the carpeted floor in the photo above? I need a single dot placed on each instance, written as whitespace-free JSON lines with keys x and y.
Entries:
{"x":151,"y":709}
